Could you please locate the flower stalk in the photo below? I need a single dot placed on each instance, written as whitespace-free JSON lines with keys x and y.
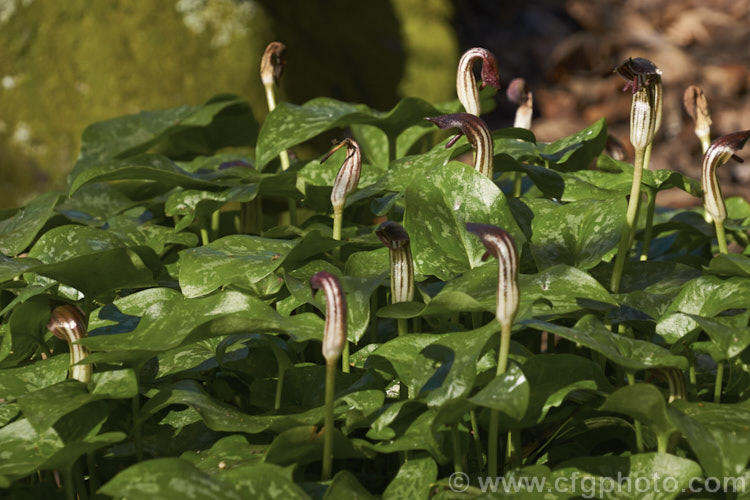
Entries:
{"x":334,"y":341}
{"x":345,"y":183}
{"x":500,"y":245}
{"x":271,"y":67}
{"x":394,"y":236}
{"x":718,"y":153}
{"x":466,"y":83}
{"x":478,"y":134}
{"x":644,"y":80}
{"x":68,"y":323}
{"x":520,"y":94}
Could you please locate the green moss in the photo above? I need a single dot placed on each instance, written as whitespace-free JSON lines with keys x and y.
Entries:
{"x":75,"y":62}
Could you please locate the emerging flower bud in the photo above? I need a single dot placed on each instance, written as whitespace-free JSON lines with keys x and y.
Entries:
{"x":272,"y":64}
{"x":644,"y":79}
{"x":478,"y":134}
{"x":67,"y":323}
{"x":395,"y":237}
{"x":501,"y":245}
{"x":519,"y":93}
{"x":348,"y":177}
{"x":696,"y":106}
{"x":720,"y":151}
{"x":466,"y":84}
{"x":334,"y":335}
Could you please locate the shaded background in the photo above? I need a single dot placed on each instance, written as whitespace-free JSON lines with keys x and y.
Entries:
{"x":64,"y":65}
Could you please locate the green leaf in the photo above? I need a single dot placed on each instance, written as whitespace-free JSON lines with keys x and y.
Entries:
{"x":345,"y":486}
{"x":172,"y":320}
{"x":262,"y":481}
{"x":579,"y":234}
{"x":556,"y":290}
{"x":115,"y":384}
{"x":98,"y":273}
{"x":137,"y":228}
{"x":732,"y":264}
{"x":304,"y":444}
{"x":439,"y":205}
{"x":413,"y":480}
{"x":656,"y":476}
{"x":631,"y":354}
{"x":153,"y":167}
{"x":94,"y":204}
{"x":651,"y":408}
{"x":448,"y":365}
{"x":288,"y":124}
{"x":507,"y":393}
{"x":554,"y":376}
{"x":577,"y":151}
{"x":167,"y":478}
{"x":717,"y":433}
{"x":727,"y":340}
{"x":227,"y":453}
{"x":25,"y":449}
{"x":397,"y":357}
{"x":15,"y":382}
{"x":706,"y":296}
{"x":45,"y":406}
{"x":194,"y":203}
{"x":18,"y":231}
{"x":200,"y":125}
{"x":236,"y":259}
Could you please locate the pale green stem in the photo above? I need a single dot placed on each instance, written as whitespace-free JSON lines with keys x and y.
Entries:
{"x":215,"y":224}
{"x":517,"y":184}
{"x":345,"y":358}
{"x":338,"y":216}
{"x":205,"y":240}
{"x":328,"y":425}
{"x":403,"y":326}
{"x":717,"y":384}
{"x":502,"y":366}
{"x":662,"y":440}
{"x":630,"y":222}
{"x":514,"y":448}
{"x":477,"y":441}
{"x":137,"y":427}
{"x":721,"y":236}
{"x":651,"y":194}
{"x":279,"y":388}
{"x":457,"y":457}
{"x":636,"y":423}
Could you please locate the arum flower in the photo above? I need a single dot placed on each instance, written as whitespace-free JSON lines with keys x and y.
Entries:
{"x":696,"y":105}
{"x":720,"y":151}
{"x":644,"y":80}
{"x":519,"y":93}
{"x":346,"y":180}
{"x":395,"y":237}
{"x":500,"y":245}
{"x":334,"y":343}
{"x":478,"y":134}
{"x":67,"y":323}
{"x":466,"y":84}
